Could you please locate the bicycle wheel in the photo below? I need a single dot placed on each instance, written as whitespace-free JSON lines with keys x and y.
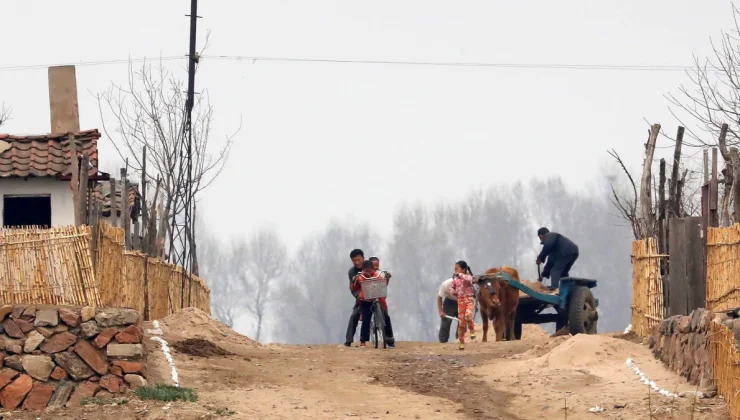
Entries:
{"x":379,"y":323}
{"x":374,"y":333}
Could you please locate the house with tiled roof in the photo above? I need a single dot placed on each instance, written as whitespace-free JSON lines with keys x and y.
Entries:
{"x":36,"y":170}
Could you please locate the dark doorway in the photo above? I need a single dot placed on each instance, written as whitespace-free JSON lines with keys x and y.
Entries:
{"x":26,"y":210}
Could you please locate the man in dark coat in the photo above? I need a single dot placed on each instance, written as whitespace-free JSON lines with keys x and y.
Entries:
{"x":357,"y":257}
{"x":560,"y":252}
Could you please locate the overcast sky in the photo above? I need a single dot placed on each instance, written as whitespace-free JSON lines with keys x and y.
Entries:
{"x":354,"y":141}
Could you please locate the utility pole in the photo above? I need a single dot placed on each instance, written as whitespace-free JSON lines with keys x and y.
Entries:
{"x":186,"y":234}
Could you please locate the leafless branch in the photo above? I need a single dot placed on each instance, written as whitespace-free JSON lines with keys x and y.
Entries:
{"x":149,"y":112}
{"x":627,"y":207}
{"x":5,"y":113}
{"x":712,"y":95}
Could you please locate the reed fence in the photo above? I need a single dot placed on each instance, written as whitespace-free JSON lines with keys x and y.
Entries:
{"x":726,"y":366}
{"x":47,"y":266}
{"x":723,"y":268}
{"x":722,"y":293}
{"x":149,"y":285}
{"x":647,"y":286}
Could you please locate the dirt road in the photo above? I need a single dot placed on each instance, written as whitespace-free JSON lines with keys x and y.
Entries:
{"x":536,"y":378}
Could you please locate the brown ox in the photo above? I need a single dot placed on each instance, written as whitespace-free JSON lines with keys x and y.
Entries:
{"x":501,"y":307}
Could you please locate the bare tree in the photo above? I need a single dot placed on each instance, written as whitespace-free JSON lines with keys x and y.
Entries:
{"x":640,"y":206}
{"x":148,"y":114}
{"x":422,"y":253}
{"x":5,"y":113}
{"x":711,"y":102}
{"x":712,"y":97}
{"x":627,"y":204}
{"x":226,"y":295}
{"x":256,"y":265}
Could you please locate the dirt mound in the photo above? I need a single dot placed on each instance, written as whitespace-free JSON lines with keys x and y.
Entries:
{"x":588,"y":350}
{"x":532,"y":332}
{"x":579,"y":351}
{"x":542,"y":349}
{"x":199,"y":347}
{"x":194,"y":323}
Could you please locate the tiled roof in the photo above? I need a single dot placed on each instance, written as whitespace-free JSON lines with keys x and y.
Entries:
{"x":45,"y":155}
{"x":102,"y":194}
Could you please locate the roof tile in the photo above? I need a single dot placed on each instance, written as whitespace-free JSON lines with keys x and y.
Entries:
{"x":47,"y":154}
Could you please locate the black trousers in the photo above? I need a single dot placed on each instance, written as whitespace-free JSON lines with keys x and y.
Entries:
{"x":367,"y":313}
{"x":561,"y":268}
{"x":449,"y":307}
{"x":354,"y":318}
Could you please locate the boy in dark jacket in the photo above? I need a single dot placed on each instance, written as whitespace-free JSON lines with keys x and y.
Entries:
{"x":560,"y":252}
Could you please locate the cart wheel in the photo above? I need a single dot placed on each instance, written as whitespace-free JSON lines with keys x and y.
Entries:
{"x":582,"y":314}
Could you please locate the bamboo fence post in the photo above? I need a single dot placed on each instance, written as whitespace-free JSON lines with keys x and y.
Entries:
{"x":647,"y":284}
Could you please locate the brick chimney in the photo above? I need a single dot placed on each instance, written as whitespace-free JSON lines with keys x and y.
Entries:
{"x":65,"y":115}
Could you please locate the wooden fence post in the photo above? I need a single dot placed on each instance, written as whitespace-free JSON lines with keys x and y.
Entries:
{"x":95,"y":221}
{"x":144,"y":208}
{"x":646,"y":201}
{"x":125,"y":216}
{"x":113,"y":204}
{"x":714,"y":192}
{"x":83,"y":190}
{"x":135,"y":240}
{"x":75,"y":172}
{"x":662,"y":226}
{"x":735,"y":158}
{"x":675,"y":202}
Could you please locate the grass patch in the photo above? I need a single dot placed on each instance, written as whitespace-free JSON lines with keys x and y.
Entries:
{"x":162,"y":392}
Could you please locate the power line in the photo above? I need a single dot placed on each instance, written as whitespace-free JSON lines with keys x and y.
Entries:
{"x":458,"y":64}
{"x":92,"y":63}
{"x":254,"y":59}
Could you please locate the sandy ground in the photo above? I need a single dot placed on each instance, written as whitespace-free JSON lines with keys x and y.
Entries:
{"x":535,"y":378}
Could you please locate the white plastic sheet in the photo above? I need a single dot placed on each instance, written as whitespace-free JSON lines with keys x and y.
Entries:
{"x":167,"y":354}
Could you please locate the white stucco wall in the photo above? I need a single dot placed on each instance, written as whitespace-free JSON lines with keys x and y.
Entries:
{"x":62,"y":208}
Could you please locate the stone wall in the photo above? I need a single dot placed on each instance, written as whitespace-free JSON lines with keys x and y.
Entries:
{"x":59,"y":355}
{"x":682,"y":343}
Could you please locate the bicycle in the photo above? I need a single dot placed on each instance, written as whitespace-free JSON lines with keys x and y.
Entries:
{"x":373,"y":289}
{"x":375,"y":328}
